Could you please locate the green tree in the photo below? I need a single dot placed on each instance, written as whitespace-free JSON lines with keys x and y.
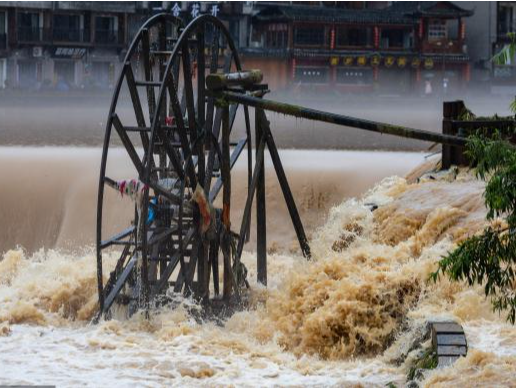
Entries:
{"x":489,"y":259}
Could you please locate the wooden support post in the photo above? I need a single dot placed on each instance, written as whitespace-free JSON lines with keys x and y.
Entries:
{"x":285,"y":188}
{"x":214,"y":262}
{"x":261,"y":227}
{"x":203,"y":269}
{"x":226,"y":203}
{"x":451,"y":155}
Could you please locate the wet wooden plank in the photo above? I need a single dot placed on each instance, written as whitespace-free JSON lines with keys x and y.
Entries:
{"x":447,"y":327}
{"x":451,"y":339}
{"x":451,"y":351}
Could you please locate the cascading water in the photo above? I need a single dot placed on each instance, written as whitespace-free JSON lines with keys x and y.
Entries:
{"x":350,"y":317}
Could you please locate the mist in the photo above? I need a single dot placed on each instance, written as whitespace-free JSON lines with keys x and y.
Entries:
{"x":78,"y":117}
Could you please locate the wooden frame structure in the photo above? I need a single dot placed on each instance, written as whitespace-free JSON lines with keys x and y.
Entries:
{"x":181,"y":155}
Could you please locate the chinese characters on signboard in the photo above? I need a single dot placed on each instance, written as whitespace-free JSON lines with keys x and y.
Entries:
{"x":376,"y":60}
{"x":194,"y":10}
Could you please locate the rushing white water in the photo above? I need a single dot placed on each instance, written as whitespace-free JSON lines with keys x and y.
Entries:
{"x":348,"y":318}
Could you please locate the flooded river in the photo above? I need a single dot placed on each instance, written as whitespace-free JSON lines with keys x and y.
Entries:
{"x":350,"y":317}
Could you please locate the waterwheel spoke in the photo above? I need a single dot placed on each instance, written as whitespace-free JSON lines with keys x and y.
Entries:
{"x":183,"y":137}
{"x":237,"y":151}
{"x":216,"y":128}
{"x":118,"y":269}
{"x":135,"y":98}
{"x":188,"y":90}
{"x":117,"y":237}
{"x":128,"y":145}
{"x":174,"y":260}
{"x":148,"y":72}
{"x":214,"y":61}
{"x":110,"y":298}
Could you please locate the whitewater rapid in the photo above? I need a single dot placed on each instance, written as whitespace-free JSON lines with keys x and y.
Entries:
{"x":350,"y":317}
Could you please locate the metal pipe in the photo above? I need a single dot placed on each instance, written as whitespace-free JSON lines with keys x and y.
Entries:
{"x":348,"y":121}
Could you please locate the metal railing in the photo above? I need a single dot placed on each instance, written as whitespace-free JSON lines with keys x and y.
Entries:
{"x":107,"y":36}
{"x":32,"y":34}
{"x":40,"y":35}
{"x":70,"y":35}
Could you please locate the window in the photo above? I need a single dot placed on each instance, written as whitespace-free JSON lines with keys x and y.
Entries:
{"x":106,"y":29}
{"x":311,"y":74}
{"x":3,"y":31}
{"x":309,"y":36}
{"x":67,"y":28}
{"x":29,"y":27}
{"x":505,"y":19}
{"x":396,"y":38}
{"x":276,"y":35}
{"x":437,"y":30}
{"x":354,"y":36}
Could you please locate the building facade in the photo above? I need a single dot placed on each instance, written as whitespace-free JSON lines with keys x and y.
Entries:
{"x":347,"y":47}
{"x":355,"y":47}
{"x":63,"y":45}
{"x":81,"y":45}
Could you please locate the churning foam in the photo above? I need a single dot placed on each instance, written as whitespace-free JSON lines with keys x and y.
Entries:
{"x":349,"y":317}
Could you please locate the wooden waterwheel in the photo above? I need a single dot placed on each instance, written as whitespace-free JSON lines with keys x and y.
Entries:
{"x":176,"y":142}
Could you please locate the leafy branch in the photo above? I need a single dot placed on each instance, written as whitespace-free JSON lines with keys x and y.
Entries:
{"x":489,"y":259}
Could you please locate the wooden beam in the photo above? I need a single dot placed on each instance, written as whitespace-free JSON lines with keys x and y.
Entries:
{"x":261,"y":220}
{"x":285,"y":188}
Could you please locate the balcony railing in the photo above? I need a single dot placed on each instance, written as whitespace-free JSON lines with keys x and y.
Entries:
{"x":67,"y":35}
{"x":33,"y":34}
{"x":70,"y":35}
{"x":3,"y":41}
{"x":107,"y":37}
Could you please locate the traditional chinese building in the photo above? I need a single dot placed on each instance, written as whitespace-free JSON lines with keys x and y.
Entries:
{"x":75,"y":45}
{"x":355,"y":47}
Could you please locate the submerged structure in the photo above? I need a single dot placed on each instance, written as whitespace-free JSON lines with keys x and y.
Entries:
{"x":184,"y":85}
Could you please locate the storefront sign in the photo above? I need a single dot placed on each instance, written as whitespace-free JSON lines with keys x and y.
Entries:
{"x":375,"y":60}
{"x":69,"y":52}
{"x":348,"y":61}
{"x":389,"y":61}
{"x":195,"y":10}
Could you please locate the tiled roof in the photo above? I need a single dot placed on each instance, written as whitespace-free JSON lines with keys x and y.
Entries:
{"x":397,"y":13}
